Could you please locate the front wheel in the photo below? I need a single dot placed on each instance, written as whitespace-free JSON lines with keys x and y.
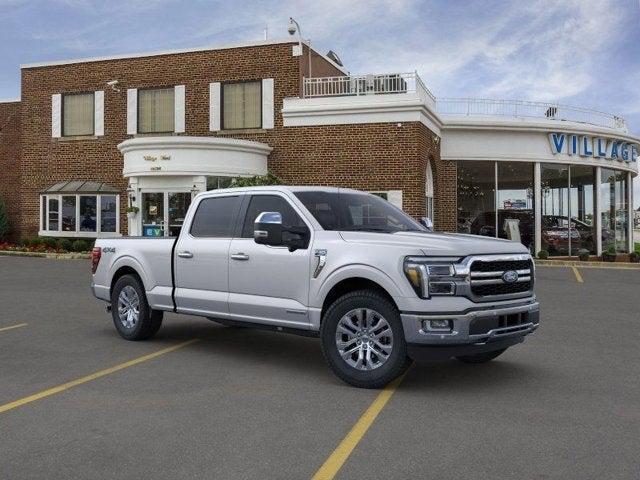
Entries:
{"x":363,"y":339}
{"x":132,"y":316}
{"x":481,"y":357}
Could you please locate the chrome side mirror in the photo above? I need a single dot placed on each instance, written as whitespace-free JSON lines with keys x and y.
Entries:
{"x":427,"y":223}
{"x":267,"y":229}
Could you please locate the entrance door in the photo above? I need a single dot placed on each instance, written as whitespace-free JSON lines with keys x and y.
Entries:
{"x":163,"y":213}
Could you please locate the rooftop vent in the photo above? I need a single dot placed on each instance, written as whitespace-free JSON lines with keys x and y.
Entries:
{"x":334,"y":57}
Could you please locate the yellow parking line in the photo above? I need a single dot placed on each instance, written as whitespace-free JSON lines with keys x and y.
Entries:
{"x":88,"y":378}
{"x":4,"y":329}
{"x":334,"y":463}
{"x":576,"y":272}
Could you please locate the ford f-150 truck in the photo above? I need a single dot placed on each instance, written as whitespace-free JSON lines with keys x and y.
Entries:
{"x":377,"y":287}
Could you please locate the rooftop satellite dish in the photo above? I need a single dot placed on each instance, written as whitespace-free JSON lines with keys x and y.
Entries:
{"x":334,"y":57}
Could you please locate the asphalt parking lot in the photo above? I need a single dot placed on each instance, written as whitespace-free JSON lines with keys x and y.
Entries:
{"x":240,"y":403}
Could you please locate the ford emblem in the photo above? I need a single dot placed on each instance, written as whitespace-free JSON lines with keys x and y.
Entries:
{"x":510,"y":276}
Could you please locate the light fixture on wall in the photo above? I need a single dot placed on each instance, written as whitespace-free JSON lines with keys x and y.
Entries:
{"x":114,"y":85}
{"x":131,"y":192}
{"x":194,"y":190}
{"x":292,"y":29}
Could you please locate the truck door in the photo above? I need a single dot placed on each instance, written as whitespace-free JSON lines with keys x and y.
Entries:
{"x":269,"y":284}
{"x":202,"y":257}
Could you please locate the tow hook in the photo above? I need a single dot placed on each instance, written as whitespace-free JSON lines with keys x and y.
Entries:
{"x":108,"y":308}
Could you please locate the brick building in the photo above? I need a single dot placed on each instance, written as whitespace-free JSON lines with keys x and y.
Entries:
{"x":90,"y":137}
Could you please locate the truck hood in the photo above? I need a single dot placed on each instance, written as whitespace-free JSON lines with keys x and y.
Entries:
{"x":438,"y":244}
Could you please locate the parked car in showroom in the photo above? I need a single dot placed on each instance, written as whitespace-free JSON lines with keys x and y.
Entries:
{"x":376,"y":287}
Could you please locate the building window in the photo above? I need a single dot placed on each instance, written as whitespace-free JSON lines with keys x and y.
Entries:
{"x":214,"y":183}
{"x":78,"y":114}
{"x":477,"y":198}
{"x":516,"y":203}
{"x":241,"y":105}
{"x":156,"y":110}
{"x":615,"y":216}
{"x":428,"y":192}
{"x":78,"y":215}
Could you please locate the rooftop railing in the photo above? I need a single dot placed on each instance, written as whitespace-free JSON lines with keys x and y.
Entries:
{"x":526,"y":109}
{"x":399,"y":83}
{"x":356,"y":85}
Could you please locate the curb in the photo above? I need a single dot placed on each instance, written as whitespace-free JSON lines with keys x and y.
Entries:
{"x":574,"y":263}
{"x":55,"y":256}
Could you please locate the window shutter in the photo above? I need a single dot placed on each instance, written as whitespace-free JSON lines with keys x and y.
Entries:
{"x":98,"y":112}
{"x":394,"y":197}
{"x":267,"y":103}
{"x":56,"y":115}
{"x":132,"y":111}
{"x":215,"y":112}
{"x":179,"y":99}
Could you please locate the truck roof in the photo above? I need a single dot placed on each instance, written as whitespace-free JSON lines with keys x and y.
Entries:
{"x":280,"y":188}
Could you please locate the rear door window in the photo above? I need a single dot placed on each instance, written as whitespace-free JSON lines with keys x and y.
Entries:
{"x":215,"y":217}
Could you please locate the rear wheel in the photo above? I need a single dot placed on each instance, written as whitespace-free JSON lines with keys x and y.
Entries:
{"x":363,"y":339}
{"x":481,"y":357}
{"x":132,"y":316}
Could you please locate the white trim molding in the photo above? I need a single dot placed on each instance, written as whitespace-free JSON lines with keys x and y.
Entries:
{"x":98,"y":113}
{"x":56,"y":115}
{"x":268,"y":107}
{"x":215,"y":111}
{"x":390,"y":108}
{"x":132,"y":111}
{"x":185,"y":156}
{"x":179,"y":109}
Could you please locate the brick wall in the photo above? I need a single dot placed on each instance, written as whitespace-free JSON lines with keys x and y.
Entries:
{"x":9,"y":160}
{"x":366,"y":156}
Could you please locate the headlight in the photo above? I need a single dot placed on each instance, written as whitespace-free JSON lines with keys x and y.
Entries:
{"x":431,"y":276}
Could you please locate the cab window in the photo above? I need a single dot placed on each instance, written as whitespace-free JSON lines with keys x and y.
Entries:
{"x":269,"y":203}
{"x":215,"y":217}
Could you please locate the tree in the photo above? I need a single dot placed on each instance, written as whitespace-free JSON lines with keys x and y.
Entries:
{"x":4,"y":221}
{"x":256,"y":181}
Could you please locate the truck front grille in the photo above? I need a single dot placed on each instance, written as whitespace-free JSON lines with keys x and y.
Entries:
{"x":488,"y":277}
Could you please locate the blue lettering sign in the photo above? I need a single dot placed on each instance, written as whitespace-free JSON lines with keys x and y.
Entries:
{"x":557,"y":142}
{"x":573,"y":146}
{"x":614,"y":150}
{"x":624,"y":151}
{"x":634,"y":153}
{"x":601,"y":147}
{"x":586,"y":147}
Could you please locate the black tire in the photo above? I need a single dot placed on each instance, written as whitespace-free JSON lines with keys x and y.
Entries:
{"x":148,"y":322}
{"x":397,"y":361}
{"x":481,"y":357}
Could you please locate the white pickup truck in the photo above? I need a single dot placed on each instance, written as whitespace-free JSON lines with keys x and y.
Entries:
{"x":377,"y":287}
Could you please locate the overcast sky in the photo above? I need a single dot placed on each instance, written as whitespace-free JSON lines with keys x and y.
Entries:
{"x":581,"y":52}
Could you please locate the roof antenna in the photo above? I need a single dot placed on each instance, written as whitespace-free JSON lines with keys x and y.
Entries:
{"x":266,"y":32}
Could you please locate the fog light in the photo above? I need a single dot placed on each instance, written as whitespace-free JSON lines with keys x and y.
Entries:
{"x":438,"y":325}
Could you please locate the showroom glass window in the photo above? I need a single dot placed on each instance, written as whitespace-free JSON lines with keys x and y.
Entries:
{"x":613,"y":200}
{"x":477,"y":198}
{"x":80,"y":215}
{"x":156,"y":110}
{"x":516,"y":219}
{"x":242,"y":105}
{"x":554,"y":232}
{"x":78,"y":114}
{"x":582,"y":196}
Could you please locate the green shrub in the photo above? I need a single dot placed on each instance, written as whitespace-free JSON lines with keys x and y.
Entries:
{"x":50,"y":242}
{"x":65,"y":244}
{"x":543,"y":254}
{"x":256,"y":181}
{"x":611,"y":250}
{"x":80,"y":246}
{"x":26,"y":242}
{"x":634,"y":257}
{"x":583,"y":254}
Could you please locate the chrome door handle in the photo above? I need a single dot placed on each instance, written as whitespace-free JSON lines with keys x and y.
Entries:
{"x":239,"y":256}
{"x":185,"y":254}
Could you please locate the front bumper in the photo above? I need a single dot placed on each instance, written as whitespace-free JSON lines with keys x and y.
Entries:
{"x":474,"y":331}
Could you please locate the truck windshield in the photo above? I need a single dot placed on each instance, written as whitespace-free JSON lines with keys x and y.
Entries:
{"x":356,"y":212}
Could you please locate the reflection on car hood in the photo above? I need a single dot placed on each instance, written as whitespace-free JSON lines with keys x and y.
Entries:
{"x":439,"y":244}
